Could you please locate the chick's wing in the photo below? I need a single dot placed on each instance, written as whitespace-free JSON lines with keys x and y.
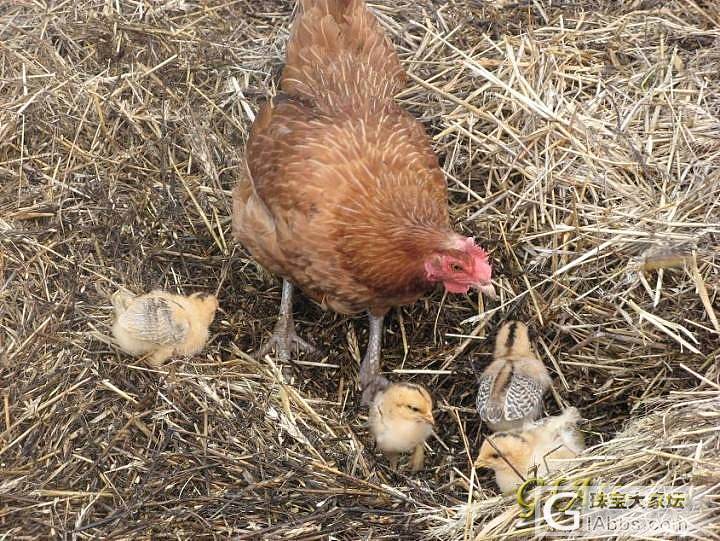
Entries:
{"x":486,"y":406}
{"x":524,"y":394}
{"x":153,"y":319}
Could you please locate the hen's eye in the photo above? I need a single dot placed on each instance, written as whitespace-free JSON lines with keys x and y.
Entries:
{"x":455,"y":267}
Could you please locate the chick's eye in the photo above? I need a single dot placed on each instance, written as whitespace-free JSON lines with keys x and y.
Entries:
{"x":494,"y":455}
{"x":413,"y":408}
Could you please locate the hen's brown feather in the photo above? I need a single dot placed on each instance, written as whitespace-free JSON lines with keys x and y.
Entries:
{"x":344,"y":196}
{"x":339,"y":58}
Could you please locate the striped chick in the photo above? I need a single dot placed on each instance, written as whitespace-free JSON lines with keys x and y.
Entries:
{"x":512,"y":387}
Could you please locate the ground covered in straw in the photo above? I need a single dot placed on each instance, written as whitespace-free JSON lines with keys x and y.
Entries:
{"x":577,"y":138}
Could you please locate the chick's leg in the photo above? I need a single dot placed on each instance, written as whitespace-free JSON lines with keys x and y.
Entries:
{"x":284,"y":336}
{"x":158,"y":358}
{"x":393,"y":459}
{"x":370,"y":379}
{"x":418,"y":458}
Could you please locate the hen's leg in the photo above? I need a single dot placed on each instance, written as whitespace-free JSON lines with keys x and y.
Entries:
{"x":284,"y":336}
{"x":370,"y":379}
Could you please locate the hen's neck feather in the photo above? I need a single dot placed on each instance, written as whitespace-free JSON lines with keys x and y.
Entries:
{"x":391,"y":257}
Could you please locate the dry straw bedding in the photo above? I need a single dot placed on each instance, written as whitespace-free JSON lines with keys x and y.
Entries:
{"x":575,"y":136}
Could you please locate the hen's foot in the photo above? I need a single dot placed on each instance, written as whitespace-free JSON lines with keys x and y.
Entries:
{"x":284,"y":336}
{"x":284,"y":341}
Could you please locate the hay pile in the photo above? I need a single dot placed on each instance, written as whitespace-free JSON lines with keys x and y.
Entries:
{"x":575,"y":136}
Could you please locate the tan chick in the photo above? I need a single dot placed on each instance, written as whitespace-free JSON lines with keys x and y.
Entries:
{"x":512,"y":387}
{"x":401,"y":419}
{"x":159,"y":325}
{"x":543,"y":444}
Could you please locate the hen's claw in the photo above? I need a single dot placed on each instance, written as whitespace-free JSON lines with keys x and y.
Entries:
{"x":283,"y":339}
{"x":284,"y":335}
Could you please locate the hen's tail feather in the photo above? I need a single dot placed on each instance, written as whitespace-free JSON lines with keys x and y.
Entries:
{"x":339,"y":57}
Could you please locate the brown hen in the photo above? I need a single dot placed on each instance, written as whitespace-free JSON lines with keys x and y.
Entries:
{"x":343,"y":195}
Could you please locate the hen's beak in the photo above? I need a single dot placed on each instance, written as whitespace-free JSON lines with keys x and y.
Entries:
{"x":487,"y":289}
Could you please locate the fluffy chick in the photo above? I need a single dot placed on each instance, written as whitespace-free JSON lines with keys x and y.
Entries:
{"x":401,"y":419}
{"x":542,"y":444}
{"x":159,"y":324}
{"x":511,"y":388}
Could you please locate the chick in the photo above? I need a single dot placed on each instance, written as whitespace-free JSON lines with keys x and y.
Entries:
{"x":161,"y":324}
{"x":514,"y":454}
{"x":401,"y":420}
{"x":511,"y":388}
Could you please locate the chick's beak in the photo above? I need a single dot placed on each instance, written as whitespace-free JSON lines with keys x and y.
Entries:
{"x":480,"y":463}
{"x":429,"y":419}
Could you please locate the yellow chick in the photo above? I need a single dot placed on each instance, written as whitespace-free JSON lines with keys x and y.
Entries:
{"x":513,"y":455}
{"x":159,"y":324}
{"x":512,"y":387}
{"x":401,"y":419}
